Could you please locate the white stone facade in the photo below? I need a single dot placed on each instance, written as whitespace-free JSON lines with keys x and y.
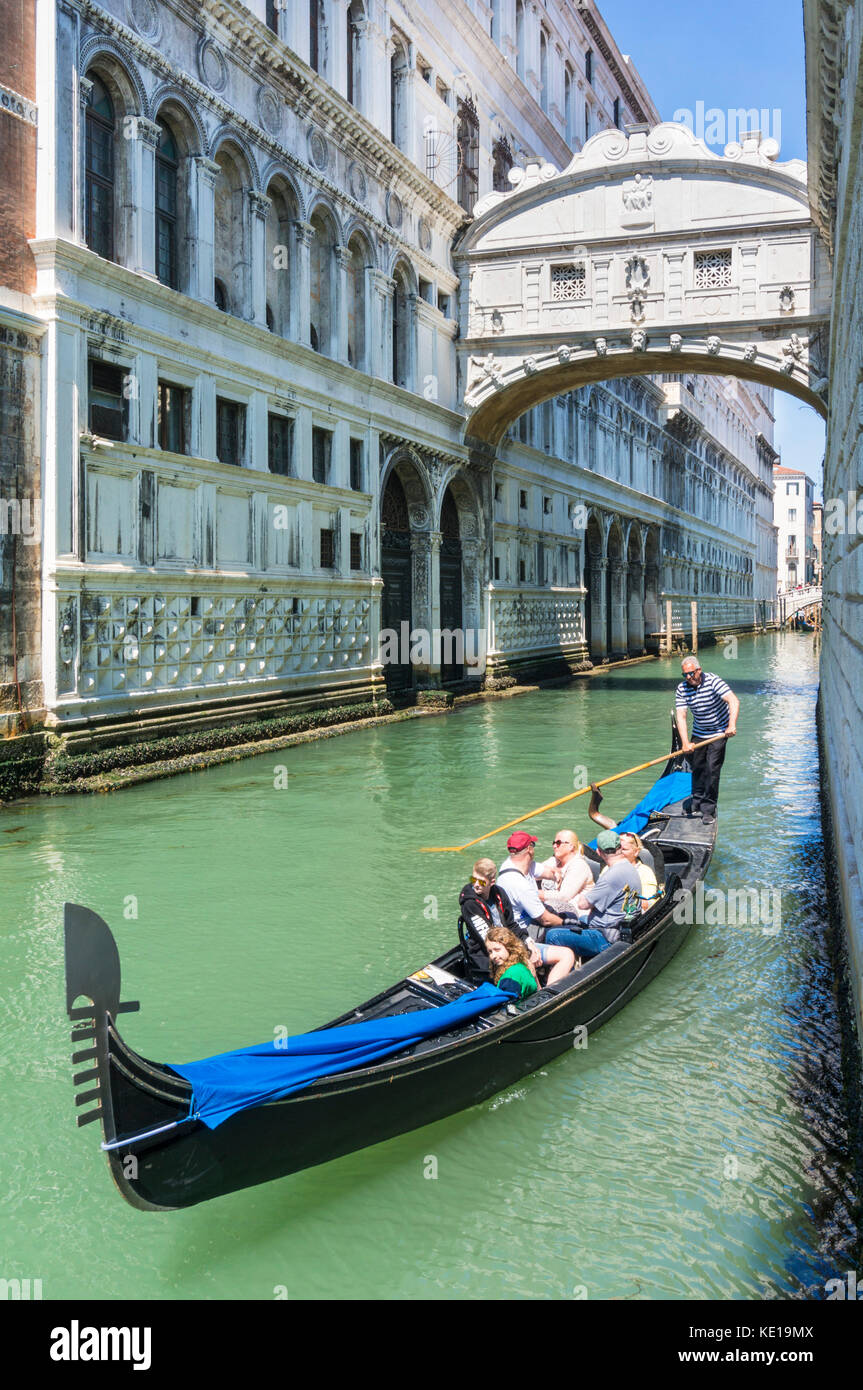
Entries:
{"x":243,"y":244}
{"x":793,"y":511}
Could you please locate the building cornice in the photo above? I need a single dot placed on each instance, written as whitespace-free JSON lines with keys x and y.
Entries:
{"x":595,"y":26}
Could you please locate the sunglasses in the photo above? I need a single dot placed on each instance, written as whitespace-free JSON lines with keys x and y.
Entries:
{"x":560,"y":842}
{"x":479,"y":882}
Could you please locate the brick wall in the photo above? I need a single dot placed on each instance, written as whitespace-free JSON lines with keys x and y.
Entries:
{"x":17,"y":145}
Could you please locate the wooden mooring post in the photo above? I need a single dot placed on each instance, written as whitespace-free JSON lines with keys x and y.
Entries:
{"x":694,"y":608}
{"x":668,"y":632}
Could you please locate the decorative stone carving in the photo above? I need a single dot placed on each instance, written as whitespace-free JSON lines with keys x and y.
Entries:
{"x":212,"y":68}
{"x":637,"y":309}
{"x":792,"y":353}
{"x":497,"y":321}
{"x":357,"y":182}
{"x":787,"y":300}
{"x":269,"y":110}
{"x":638,"y":193}
{"x":713,"y":345}
{"x":676,"y":342}
{"x":601,"y":345}
{"x":637,"y":274}
{"x":530,"y":367}
{"x":424,"y":234}
{"x":750,"y":352}
{"x":489,"y":370}
{"x":393,"y":209}
{"x":419,"y":517}
{"x":143,"y":18}
{"x":564,"y":353}
{"x":319,"y":150}
{"x":639,"y":340}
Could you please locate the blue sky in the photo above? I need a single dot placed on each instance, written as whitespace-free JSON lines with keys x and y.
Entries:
{"x":744,"y":53}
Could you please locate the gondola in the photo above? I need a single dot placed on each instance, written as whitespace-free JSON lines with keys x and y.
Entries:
{"x":162,"y":1158}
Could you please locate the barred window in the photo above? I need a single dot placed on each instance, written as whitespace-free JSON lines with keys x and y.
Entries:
{"x":467,"y":136}
{"x":230,"y":431}
{"x":328,"y":548}
{"x":357,"y":469}
{"x":322,"y":448}
{"x":568,"y":281}
{"x":280,"y":441}
{"x":712,"y":269}
{"x":356,"y":550}
{"x":174,"y":404}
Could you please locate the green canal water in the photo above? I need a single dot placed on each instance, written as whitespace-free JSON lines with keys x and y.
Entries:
{"x":693,"y":1150}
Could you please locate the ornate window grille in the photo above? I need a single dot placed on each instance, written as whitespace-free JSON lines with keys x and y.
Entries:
{"x":468,"y":153}
{"x":502,"y":161}
{"x":568,"y":281}
{"x":712,"y":269}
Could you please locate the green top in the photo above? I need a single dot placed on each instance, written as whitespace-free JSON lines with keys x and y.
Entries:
{"x":523,"y":978}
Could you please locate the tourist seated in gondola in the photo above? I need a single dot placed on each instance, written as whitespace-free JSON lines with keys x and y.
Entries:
{"x":566,"y":874}
{"x":606,"y":905}
{"x":511,"y":968}
{"x":484,"y":904}
{"x":633,"y":849}
{"x":517,"y":877}
{"x":645,"y":855}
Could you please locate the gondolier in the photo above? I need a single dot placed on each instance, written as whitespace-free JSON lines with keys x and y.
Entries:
{"x":714,"y":711}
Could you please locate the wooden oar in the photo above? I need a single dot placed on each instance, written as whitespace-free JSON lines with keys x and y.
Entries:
{"x":457,"y":849}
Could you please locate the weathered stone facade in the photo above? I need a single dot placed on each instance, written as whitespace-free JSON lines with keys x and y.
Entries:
{"x":250,"y":313}
{"x":834,"y":69}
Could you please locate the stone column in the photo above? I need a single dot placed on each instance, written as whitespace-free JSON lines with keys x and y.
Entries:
{"x":294,"y":28}
{"x":141,"y":154}
{"x":338,"y":73}
{"x":363,"y":84}
{"x":598,"y":609}
{"x":79,"y":225}
{"x":635,"y":606}
{"x":340,"y":308}
{"x":380,"y":348}
{"x":435,"y":538}
{"x":258,"y":207}
{"x":376,"y":98}
{"x":203,"y":228}
{"x":302,"y":286}
{"x":618,"y":610}
{"x":472,"y":608}
{"x":421,"y":595}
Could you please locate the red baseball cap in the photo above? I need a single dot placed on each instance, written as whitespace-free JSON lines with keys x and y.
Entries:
{"x":520,"y":841}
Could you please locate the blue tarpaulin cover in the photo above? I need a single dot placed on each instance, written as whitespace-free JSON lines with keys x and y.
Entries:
{"x":675,"y":787}
{"x":233,"y":1081}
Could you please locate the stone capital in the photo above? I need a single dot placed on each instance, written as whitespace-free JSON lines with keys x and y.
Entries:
{"x":304,"y":233}
{"x":148,"y":132}
{"x":259,"y":203}
{"x":208,"y":169}
{"x":85,"y":90}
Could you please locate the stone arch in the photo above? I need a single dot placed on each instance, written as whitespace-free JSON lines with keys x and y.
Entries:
{"x":171,"y":98}
{"x":281,"y":255}
{"x":275,"y":170}
{"x":231,"y":250}
{"x":105,"y":54}
{"x":229,"y":135}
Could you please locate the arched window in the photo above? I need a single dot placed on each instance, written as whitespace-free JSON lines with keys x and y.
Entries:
{"x":501,"y":164}
{"x":167,"y":165}
{"x":355,"y":16}
{"x":220,"y":295}
{"x":567,"y":106}
{"x":322,"y":281}
{"x":356,"y":306}
{"x":99,"y":175}
{"x":401,"y":329}
{"x":467,"y":137}
{"x":588,"y":65}
{"x":519,"y":38}
{"x":398,"y":93}
{"x":316,"y":18}
{"x":543,"y":69}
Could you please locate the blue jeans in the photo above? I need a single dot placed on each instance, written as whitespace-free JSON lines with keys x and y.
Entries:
{"x":586,"y":943}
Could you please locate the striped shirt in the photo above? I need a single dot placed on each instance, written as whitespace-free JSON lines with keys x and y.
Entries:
{"x":710,"y":713}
